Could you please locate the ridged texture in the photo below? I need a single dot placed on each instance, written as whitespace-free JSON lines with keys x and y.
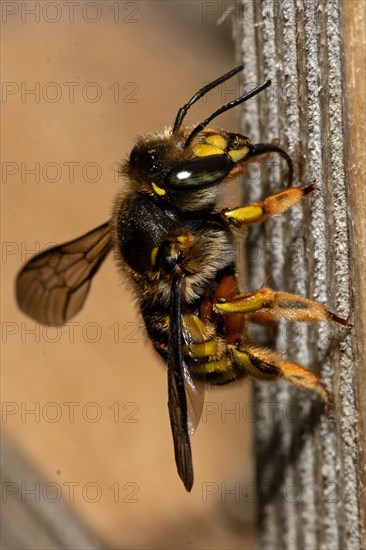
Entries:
{"x":306,"y":463}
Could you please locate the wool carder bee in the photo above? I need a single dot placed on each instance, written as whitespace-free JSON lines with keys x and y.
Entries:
{"x":177,"y":247}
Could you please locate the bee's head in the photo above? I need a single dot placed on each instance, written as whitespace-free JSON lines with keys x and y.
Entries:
{"x":184,"y":166}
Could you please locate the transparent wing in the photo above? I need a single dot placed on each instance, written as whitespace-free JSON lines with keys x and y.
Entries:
{"x":52,"y":286}
{"x":195,"y":389}
{"x":195,"y":395}
{"x":184,"y":398}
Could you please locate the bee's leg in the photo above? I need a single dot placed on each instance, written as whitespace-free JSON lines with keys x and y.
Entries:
{"x":209,"y":351}
{"x":271,"y":206}
{"x":264,"y":317}
{"x":282,"y":304}
{"x":227,"y":289}
{"x":266,"y":365}
{"x":261,"y":364}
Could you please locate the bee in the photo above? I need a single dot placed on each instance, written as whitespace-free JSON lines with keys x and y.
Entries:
{"x":177,"y":247}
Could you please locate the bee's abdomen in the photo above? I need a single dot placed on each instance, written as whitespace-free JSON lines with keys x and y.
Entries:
{"x":205,"y":349}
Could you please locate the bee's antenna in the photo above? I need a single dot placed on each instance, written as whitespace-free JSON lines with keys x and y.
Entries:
{"x":226,"y":107}
{"x":203,"y":91}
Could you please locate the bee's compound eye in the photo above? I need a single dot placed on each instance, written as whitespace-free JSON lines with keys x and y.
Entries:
{"x":134,"y":156}
{"x":199,"y":172}
{"x":144,"y":158}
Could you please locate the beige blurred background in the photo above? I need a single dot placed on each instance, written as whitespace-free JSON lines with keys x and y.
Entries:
{"x":144,"y":60}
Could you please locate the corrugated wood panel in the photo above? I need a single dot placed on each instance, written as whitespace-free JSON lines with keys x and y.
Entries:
{"x":310,"y":466}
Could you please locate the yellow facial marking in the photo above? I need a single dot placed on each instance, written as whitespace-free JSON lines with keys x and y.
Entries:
{"x":238,"y":154}
{"x":205,"y":149}
{"x":158,"y":190}
{"x":217,"y":141}
{"x":154,"y":253}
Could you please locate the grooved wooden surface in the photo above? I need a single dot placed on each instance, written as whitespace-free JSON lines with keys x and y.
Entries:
{"x":354,"y":29}
{"x":310,"y":467}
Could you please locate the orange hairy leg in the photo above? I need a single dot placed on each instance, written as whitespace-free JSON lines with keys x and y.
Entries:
{"x":265,"y":305}
{"x":273,"y":205}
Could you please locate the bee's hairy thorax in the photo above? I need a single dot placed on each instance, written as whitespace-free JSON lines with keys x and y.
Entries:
{"x":144,"y":225}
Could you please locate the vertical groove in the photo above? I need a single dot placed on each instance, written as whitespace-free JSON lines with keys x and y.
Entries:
{"x":306,"y":465}
{"x":353,"y":17}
